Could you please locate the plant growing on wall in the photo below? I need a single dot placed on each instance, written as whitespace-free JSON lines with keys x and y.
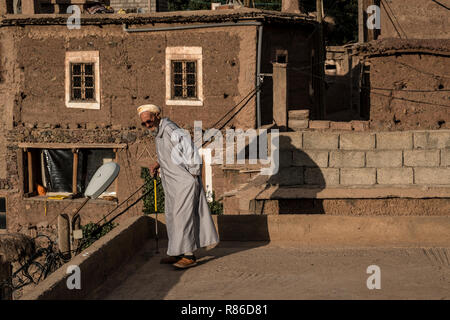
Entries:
{"x":215,"y":206}
{"x":149,"y":199}
{"x":91,"y":234}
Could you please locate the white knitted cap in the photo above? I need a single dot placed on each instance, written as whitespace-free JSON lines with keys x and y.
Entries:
{"x":148,"y":108}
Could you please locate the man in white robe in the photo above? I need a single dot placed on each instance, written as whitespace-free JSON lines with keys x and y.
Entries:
{"x":188,"y":218}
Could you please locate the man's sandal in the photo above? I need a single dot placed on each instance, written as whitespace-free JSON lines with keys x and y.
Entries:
{"x":185,"y":263}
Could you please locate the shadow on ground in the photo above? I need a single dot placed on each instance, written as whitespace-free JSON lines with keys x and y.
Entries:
{"x":145,"y":267}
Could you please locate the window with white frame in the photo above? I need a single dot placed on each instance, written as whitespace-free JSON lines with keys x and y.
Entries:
{"x":82,"y":79}
{"x":184,"y":78}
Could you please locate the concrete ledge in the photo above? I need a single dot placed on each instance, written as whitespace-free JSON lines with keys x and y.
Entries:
{"x":107,"y":254}
{"x":369,"y":192}
{"x":96,"y":262}
{"x":324,"y":230}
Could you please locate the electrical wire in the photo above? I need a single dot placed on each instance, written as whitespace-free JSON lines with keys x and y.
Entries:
{"x":384,"y":4}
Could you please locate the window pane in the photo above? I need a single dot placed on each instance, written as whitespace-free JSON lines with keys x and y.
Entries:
{"x":191,"y":79}
{"x":76,"y":81}
{"x":178,"y":79}
{"x":191,"y":91}
{"x":177,"y":67}
{"x":89,"y":93}
{"x":76,"y":69}
{"x":89,"y":69}
{"x":89,"y":81}
{"x":2,"y":213}
{"x":190,"y":67}
{"x":76,"y":94}
{"x":58,"y":165}
{"x":178,"y":91}
{"x":89,"y":160}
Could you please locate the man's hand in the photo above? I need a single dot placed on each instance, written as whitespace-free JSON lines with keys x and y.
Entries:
{"x":154,"y":169}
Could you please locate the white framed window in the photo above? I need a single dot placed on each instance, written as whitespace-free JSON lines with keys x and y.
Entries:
{"x":184,"y":76}
{"x":82,"y":82}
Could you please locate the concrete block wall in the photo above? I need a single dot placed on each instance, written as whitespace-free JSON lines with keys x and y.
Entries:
{"x":365,"y":158}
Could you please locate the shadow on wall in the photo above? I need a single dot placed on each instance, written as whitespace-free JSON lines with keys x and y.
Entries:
{"x":293,"y":189}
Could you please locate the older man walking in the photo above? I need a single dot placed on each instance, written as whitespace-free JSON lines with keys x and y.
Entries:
{"x":188,"y":218}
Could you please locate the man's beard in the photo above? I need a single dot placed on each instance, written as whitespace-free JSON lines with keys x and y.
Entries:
{"x":154,"y":132}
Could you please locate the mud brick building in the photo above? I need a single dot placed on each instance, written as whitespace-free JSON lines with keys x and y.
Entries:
{"x":404,"y":65}
{"x":69,"y":97}
{"x":72,"y":95}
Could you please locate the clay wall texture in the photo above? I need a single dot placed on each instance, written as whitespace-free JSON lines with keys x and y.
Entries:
{"x":420,"y":95}
{"x":414,"y":19}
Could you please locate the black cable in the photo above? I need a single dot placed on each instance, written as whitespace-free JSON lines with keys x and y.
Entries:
{"x":392,"y":12}
{"x":121,"y":203}
{"x":441,"y":4}
{"x":410,"y":100}
{"x":375,"y":88}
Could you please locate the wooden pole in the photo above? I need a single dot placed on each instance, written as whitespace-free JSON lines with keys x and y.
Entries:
{"x":322,"y":111}
{"x":75,"y":171}
{"x":360,"y":21}
{"x":30,"y":172}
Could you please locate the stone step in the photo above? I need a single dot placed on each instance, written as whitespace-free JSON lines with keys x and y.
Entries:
{"x":299,"y":114}
{"x":298,"y":125}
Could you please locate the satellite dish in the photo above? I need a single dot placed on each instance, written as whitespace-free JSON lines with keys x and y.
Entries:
{"x":102,"y":179}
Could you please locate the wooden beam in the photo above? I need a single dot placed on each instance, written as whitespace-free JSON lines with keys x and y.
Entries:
{"x":75,"y":171}
{"x":72,"y":145}
{"x":30,"y":171}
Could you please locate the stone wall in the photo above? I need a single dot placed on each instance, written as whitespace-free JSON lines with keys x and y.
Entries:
{"x":372,"y":158}
{"x":357,"y":173}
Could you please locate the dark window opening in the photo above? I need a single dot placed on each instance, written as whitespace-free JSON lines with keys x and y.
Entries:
{"x":2,"y":213}
{"x":281,"y":58}
{"x":184,"y":80}
{"x":53,"y":172}
{"x":82,"y":82}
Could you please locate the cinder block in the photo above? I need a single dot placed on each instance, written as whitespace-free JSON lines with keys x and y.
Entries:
{"x":384,"y":159}
{"x":340,"y":125}
{"x":395,"y":176}
{"x":432,"y":176}
{"x":285,"y":158}
{"x":298,"y":124}
{"x":320,"y":140}
{"x":357,"y":141}
{"x":347,"y":159}
{"x":432,"y":140}
{"x":322,"y":176}
{"x":299,"y":114}
{"x":394,"y":140}
{"x":310,"y":158}
{"x":290,"y":140}
{"x":358,"y":176}
{"x":445,"y":157}
{"x":319,"y":124}
{"x":288,"y":177}
{"x":421,"y":158}
{"x":358,"y":125}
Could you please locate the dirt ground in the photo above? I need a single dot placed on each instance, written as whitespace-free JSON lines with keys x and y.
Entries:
{"x":258,"y":270}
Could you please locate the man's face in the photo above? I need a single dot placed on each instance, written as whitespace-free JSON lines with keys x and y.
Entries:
{"x":150,"y":121}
